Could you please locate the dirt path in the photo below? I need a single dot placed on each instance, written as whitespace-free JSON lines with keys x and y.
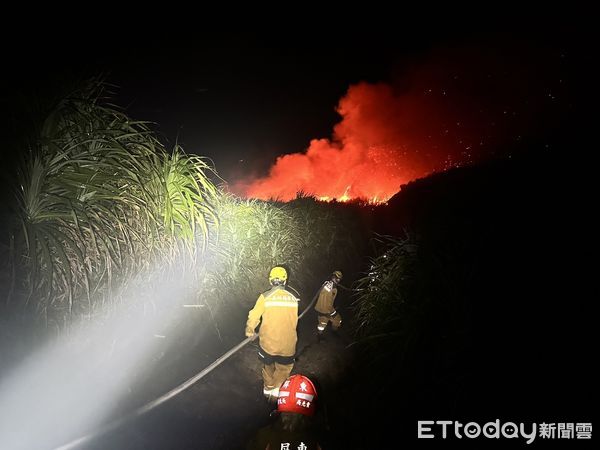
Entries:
{"x":224,"y":409}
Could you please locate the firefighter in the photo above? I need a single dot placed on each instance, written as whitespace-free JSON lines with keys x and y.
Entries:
{"x":294,"y":428}
{"x":325,"y":305}
{"x":278,"y":309}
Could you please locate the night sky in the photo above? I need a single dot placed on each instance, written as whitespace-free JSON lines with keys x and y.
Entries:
{"x":389,"y":104}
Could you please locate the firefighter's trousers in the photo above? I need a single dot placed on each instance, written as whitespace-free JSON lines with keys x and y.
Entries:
{"x":336,"y":322}
{"x":276,"y":369}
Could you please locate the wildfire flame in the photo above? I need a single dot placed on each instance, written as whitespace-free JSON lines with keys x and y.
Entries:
{"x":441,"y":115}
{"x":359,"y":162}
{"x":345,"y":197}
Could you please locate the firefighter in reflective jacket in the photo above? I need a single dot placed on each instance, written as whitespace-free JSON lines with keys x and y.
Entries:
{"x":278,"y":309}
{"x":325,"y":305}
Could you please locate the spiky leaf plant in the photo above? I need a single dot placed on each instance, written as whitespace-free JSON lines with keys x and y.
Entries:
{"x":99,"y":200}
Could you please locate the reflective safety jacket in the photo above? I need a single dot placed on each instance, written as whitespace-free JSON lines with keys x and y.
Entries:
{"x":326,"y":298}
{"x":279,"y":311}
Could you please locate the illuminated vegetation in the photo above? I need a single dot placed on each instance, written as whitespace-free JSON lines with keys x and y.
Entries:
{"x":99,"y":201}
{"x":103,"y":205}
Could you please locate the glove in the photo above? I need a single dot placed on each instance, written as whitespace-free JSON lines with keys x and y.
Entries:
{"x":249,"y":332}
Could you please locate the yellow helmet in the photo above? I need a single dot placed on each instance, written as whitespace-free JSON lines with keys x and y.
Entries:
{"x":337,"y":274}
{"x":277,"y":273}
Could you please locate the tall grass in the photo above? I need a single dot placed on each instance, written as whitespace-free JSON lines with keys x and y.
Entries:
{"x":100,"y":200}
{"x":387,"y":293}
{"x":413,"y":310}
{"x":253,"y":237}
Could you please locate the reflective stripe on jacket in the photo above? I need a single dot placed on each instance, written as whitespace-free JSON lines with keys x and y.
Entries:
{"x":326,"y":298}
{"x":279,"y":311}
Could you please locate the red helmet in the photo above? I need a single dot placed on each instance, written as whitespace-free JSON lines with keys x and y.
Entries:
{"x":297,"y":394}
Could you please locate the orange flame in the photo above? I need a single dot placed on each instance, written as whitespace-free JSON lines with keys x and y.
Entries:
{"x":359,"y":162}
{"x":444,"y":113}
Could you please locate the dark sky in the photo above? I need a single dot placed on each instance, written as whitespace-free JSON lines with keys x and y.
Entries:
{"x":242,"y":98}
{"x":249,"y":97}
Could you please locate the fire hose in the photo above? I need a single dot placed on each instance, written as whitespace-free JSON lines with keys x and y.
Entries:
{"x":173,"y":392}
